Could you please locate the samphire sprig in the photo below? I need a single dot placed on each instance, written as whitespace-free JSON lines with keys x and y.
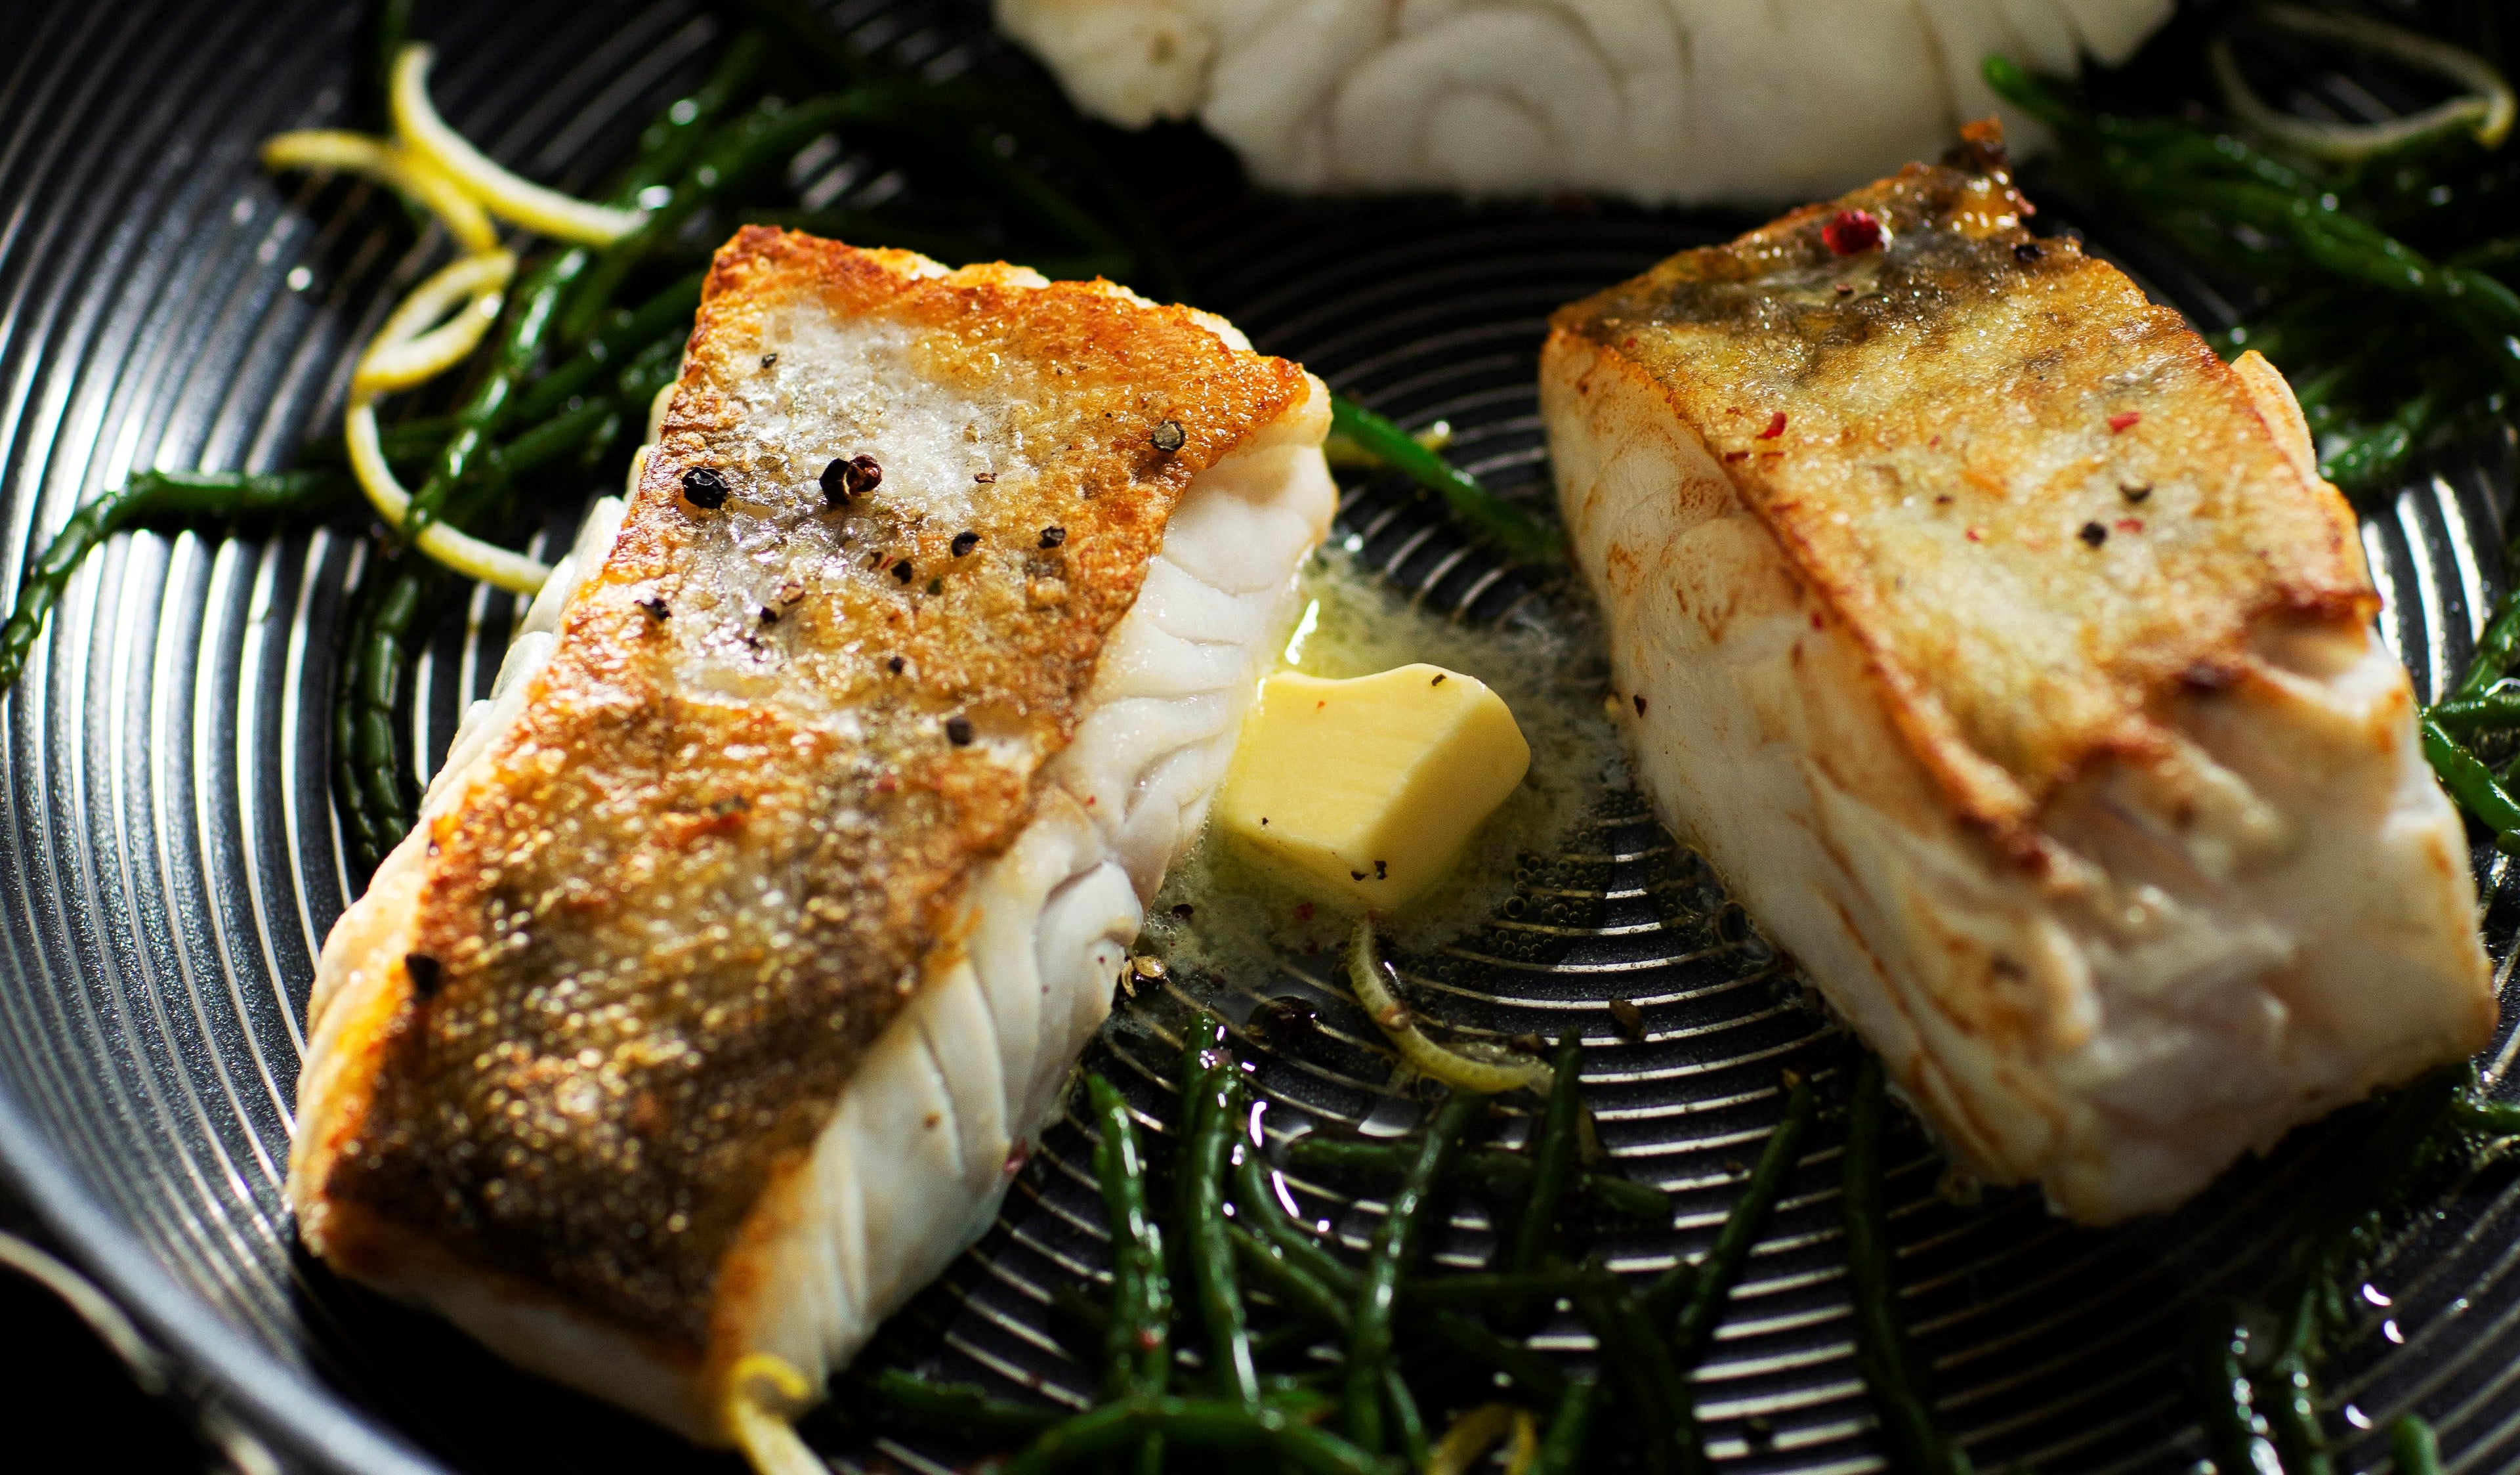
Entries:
{"x":1233,"y":1328}
{"x":2365,"y":248}
{"x":2256,"y":1355}
{"x":2371,"y":248}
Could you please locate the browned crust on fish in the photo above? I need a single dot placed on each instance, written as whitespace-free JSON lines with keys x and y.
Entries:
{"x":684,"y":895}
{"x":2042,"y":505}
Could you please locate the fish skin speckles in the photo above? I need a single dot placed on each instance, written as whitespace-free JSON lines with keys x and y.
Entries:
{"x":826,"y":812}
{"x":1970,"y":685}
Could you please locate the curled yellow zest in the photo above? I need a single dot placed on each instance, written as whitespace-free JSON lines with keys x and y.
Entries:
{"x":762,"y":1395}
{"x":1526,"y":1443}
{"x":412,"y":347}
{"x":460,"y":551}
{"x":508,"y":196}
{"x":1485,"y":1069}
{"x":1472,"y":1434}
{"x":396,"y":168}
{"x":2487,"y":111}
{"x":406,"y":351}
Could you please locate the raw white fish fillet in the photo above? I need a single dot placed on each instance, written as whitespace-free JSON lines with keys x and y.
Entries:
{"x":2003,"y":650}
{"x":1102,"y":505}
{"x":1661,"y":101}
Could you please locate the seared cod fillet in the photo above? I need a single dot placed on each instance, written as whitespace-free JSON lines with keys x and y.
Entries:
{"x":752,"y":929}
{"x":2003,"y":649}
{"x":1655,"y":100}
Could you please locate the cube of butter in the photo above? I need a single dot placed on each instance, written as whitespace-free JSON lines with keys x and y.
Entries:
{"x":1364,"y":792}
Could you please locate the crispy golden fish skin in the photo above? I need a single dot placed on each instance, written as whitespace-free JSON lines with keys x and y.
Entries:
{"x":858,"y":604}
{"x":2004,"y":647}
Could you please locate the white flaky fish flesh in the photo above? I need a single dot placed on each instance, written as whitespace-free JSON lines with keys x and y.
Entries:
{"x":2003,"y":649}
{"x":1660,"y":101}
{"x":752,"y":929}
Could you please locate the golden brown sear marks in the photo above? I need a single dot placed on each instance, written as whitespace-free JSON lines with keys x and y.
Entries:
{"x":782,"y":730}
{"x":2040,"y":503}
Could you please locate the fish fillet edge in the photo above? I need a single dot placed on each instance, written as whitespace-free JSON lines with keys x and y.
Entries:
{"x":1775,"y":749}
{"x":930,"y":1130}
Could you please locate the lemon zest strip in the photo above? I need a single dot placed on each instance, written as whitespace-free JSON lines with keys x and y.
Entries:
{"x":404,"y":346}
{"x":2487,"y":111}
{"x":507,"y":195}
{"x":1477,"y":1432}
{"x":1526,"y":1443}
{"x":409,"y":350}
{"x":394,"y":167}
{"x":761,"y":1425}
{"x":460,"y":551}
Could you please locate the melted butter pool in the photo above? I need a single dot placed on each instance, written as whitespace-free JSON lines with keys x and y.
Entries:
{"x":1546,"y":660}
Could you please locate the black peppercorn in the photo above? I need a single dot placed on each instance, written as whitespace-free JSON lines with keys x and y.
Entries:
{"x":705,"y":489}
{"x":1168,"y":437}
{"x":656,"y":609}
{"x":958,"y":731}
{"x":855,"y":476}
{"x":2027,"y":252}
{"x":2093,"y":534}
{"x":964,"y":543}
{"x":1052,"y":537}
{"x":426,"y":975}
{"x":902,"y":571}
{"x":895,"y":665}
